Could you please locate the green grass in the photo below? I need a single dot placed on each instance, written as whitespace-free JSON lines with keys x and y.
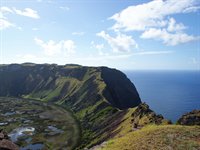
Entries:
{"x":162,"y":137}
{"x":125,"y":126}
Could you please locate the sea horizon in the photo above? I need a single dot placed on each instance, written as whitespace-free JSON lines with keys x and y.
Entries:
{"x":170,"y":93}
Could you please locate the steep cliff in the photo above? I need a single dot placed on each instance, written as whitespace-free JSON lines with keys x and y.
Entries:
{"x":72,"y":84}
{"x":98,"y":96}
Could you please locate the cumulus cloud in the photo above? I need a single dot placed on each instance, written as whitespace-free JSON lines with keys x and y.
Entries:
{"x":4,"y":21}
{"x":151,"y":14}
{"x":52,"y":48}
{"x":175,"y":27}
{"x":167,"y":37}
{"x":120,"y":43}
{"x":69,"y":47}
{"x":155,"y":21}
{"x":99,"y":47}
{"x":5,"y":10}
{"x":5,"y":24}
{"x":28,"y":12}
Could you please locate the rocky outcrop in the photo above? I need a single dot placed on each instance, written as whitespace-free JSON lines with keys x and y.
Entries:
{"x":5,"y":143}
{"x":143,"y":115}
{"x":191,"y":118}
{"x":119,"y":89}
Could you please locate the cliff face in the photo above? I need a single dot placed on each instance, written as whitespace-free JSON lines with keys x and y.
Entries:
{"x":94,"y":94}
{"x":71,"y":84}
{"x":119,"y":89}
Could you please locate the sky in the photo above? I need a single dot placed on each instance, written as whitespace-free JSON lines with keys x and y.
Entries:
{"x":122,"y":34}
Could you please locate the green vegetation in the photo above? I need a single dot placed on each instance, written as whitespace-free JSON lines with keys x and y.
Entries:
{"x":162,"y":137}
{"x":91,"y":93}
{"x":96,"y":104}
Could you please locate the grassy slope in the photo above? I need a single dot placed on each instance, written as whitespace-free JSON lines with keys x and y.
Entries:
{"x":80,"y":89}
{"x":91,"y":113}
{"x":163,"y":137}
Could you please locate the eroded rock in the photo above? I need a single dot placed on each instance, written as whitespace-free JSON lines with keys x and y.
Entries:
{"x":143,"y":115}
{"x":191,"y":118}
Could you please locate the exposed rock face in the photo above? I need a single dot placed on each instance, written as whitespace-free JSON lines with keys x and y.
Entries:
{"x":119,"y":89}
{"x":191,"y":118}
{"x":143,"y":115}
{"x":5,"y":143}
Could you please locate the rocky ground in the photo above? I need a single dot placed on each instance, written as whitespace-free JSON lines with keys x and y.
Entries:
{"x":6,"y":143}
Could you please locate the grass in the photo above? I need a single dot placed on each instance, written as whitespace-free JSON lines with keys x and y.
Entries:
{"x":162,"y":137}
{"x":125,"y":126}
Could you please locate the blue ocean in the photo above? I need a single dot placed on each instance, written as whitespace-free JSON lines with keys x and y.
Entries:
{"x":170,"y":93}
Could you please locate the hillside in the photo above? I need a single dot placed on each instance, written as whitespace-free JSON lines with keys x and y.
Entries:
{"x":96,"y":95}
{"x":72,"y":84}
{"x":190,"y":118}
{"x":142,"y":129}
{"x":102,"y":103}
{"x":163,"y":137}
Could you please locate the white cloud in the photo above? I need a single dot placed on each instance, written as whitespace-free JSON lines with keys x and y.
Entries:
{"x":120,"y":43}
{"x":192,"y":9}
{"x":4,"y":24}
{"x":167,"y":37}
{"x":69,"y":47}
{"x":151,"y":14}
{"x":65,"y":8}
{"x":155,"y":21}
{"x":28,"y":12}
{"x":52,"y":48}
{"x":154,"y":52}
{"x":5,"y":10}
{"x":78,"y":33}
{"x":174,"y":27}
{"x":4,"y":21}
{"x":99,"y":47}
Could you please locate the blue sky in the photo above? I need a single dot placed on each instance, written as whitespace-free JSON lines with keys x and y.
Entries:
{"x":124,"y":34}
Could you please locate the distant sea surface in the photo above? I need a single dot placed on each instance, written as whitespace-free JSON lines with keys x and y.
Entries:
{"x":170,"y":93}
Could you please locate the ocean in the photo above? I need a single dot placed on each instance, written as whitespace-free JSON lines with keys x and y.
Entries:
{"x":170,"y":93}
